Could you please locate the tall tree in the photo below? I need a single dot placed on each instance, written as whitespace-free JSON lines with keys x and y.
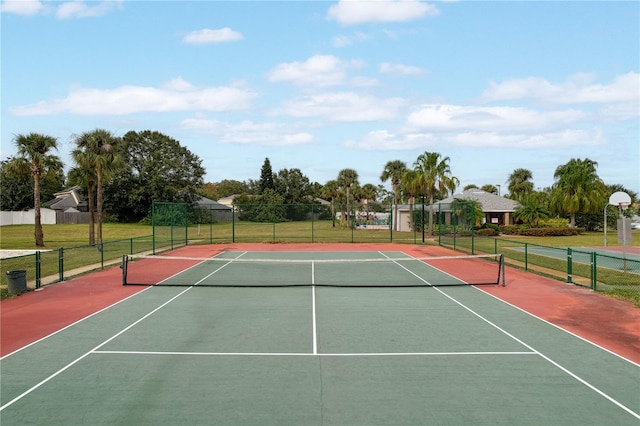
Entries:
{"x":266,"y":176}
{"x":491,"y":189}
{"x":16,"y":186}
{"x":393,"y":171}
{"x":519,"y":184}
{"x":292,"y":185}
{"x":346,"y":179}
{"x":368,"y":194}
{"x":411,"y":186}
{"x":84,"y":175}
{"x":330,"y":190}
{"x":434,"y":175}
{"x":34,"y":155}
{"x":99,"y":149}
{"x":577,"y":189}
{"x":155,"y":167}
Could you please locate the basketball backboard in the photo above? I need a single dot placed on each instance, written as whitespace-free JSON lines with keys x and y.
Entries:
{"x":620,"y":199}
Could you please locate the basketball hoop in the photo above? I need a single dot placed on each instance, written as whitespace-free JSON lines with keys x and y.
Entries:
{"x":623,"y":206}
{"x":623,"y":201}
{"x":620,"y":199}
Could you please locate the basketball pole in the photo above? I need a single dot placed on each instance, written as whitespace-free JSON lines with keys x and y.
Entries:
{"x":605,"y":225}
{"x":623,"y":206}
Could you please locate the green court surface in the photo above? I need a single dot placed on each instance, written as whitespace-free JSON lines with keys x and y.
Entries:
{"x":314,"y":355}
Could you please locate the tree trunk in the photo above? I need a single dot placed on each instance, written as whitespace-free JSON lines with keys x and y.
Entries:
{"x":39,"y":235}
{"x":92,"y":207}
{"x":430,"y":215}
{"x":99,"y":204}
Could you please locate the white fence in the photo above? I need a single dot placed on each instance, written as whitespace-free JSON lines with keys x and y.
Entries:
{"x":28,"y":217}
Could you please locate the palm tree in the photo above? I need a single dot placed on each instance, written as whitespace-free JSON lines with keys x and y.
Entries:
{"x":531,"y":211}
{"x":578,"y":189}
{"x":85,"y":175}
{"x":394,"y":170}
{"x":346,"y":179}
{"x":368,"y":193}
{"x":411,"y":186}
{"x":330,"y":190}
{"x":519,"y":184}
{"x":434,"y":176}
{"x":491,"y":189}
{"x":34,"y":156}
{"x":99,"y":147}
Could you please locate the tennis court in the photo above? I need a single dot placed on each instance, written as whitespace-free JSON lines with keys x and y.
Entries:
{"x":316,"y":338}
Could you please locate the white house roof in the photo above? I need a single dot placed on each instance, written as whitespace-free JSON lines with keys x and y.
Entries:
{"x":213,"y":205}
{"x":489,"y":202}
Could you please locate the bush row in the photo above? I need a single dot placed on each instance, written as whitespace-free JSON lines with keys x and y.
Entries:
{"x":548,"y":231}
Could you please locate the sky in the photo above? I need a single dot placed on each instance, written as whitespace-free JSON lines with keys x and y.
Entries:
{"x":326,"y":85}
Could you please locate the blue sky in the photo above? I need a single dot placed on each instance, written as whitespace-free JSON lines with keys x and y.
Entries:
{"x":327,"y":85}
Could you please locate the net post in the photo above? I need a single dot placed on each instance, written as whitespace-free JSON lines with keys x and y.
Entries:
{"x":38,"y":269}
{"x":502,"y":269}
{"x":123,"y":266}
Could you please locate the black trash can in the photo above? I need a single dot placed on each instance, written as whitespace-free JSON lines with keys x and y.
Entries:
{"x":17,"y":281}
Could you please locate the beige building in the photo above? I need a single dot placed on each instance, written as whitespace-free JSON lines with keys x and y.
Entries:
{"x":497,"y":210}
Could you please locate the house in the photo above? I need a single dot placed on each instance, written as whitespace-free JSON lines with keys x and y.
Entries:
{"x":69,"y":206}
{"x":497,"y":210}
{"x":219,"y":211}
{"x":228,"y":201}
{"x":68,"y":198}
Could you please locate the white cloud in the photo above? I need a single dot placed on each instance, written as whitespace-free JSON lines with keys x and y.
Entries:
{"x":175,"y":95}
{"x":248,"y":132}
{"x":579,"y":88}
{"x":348,"y":40}
{"x":343,"y":107}
{"x":355,"y":12}
{"x":389,"y":68}
{"x":80,"y":9}
{"x":318,"y":70}
{"x":22,"y":7}
{"x":458,"y":118}
{"x":207,"y":36}
{"x":383,"y":140}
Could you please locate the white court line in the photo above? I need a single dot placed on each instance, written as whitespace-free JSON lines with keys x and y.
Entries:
{"x":72,"y":363}
{"x":308,"y":354}
{"x":313,"y":308}
{"x":543,"y":356}
{"x":80,"y":358}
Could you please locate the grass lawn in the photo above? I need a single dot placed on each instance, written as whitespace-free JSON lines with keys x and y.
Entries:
{"x":21,"y":237}
{"x":14,"y":237}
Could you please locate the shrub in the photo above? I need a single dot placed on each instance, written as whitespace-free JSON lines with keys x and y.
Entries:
{"x":554,"y":223}
{"x":513,"y":229}
{"x":487,"y":232}
{"x":552,"y":232}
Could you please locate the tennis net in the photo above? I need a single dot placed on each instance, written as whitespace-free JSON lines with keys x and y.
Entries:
{"x":237,"y":271}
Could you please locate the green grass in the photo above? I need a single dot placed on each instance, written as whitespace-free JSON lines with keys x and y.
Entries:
{"x":20,"y":237}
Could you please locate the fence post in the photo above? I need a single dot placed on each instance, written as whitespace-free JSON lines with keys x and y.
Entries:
{"x":61,"y":264}
{"x":569,"y":265}
{"x":473,"y":241}
{"x":38,"y":281}
{"x":594,"y":269}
